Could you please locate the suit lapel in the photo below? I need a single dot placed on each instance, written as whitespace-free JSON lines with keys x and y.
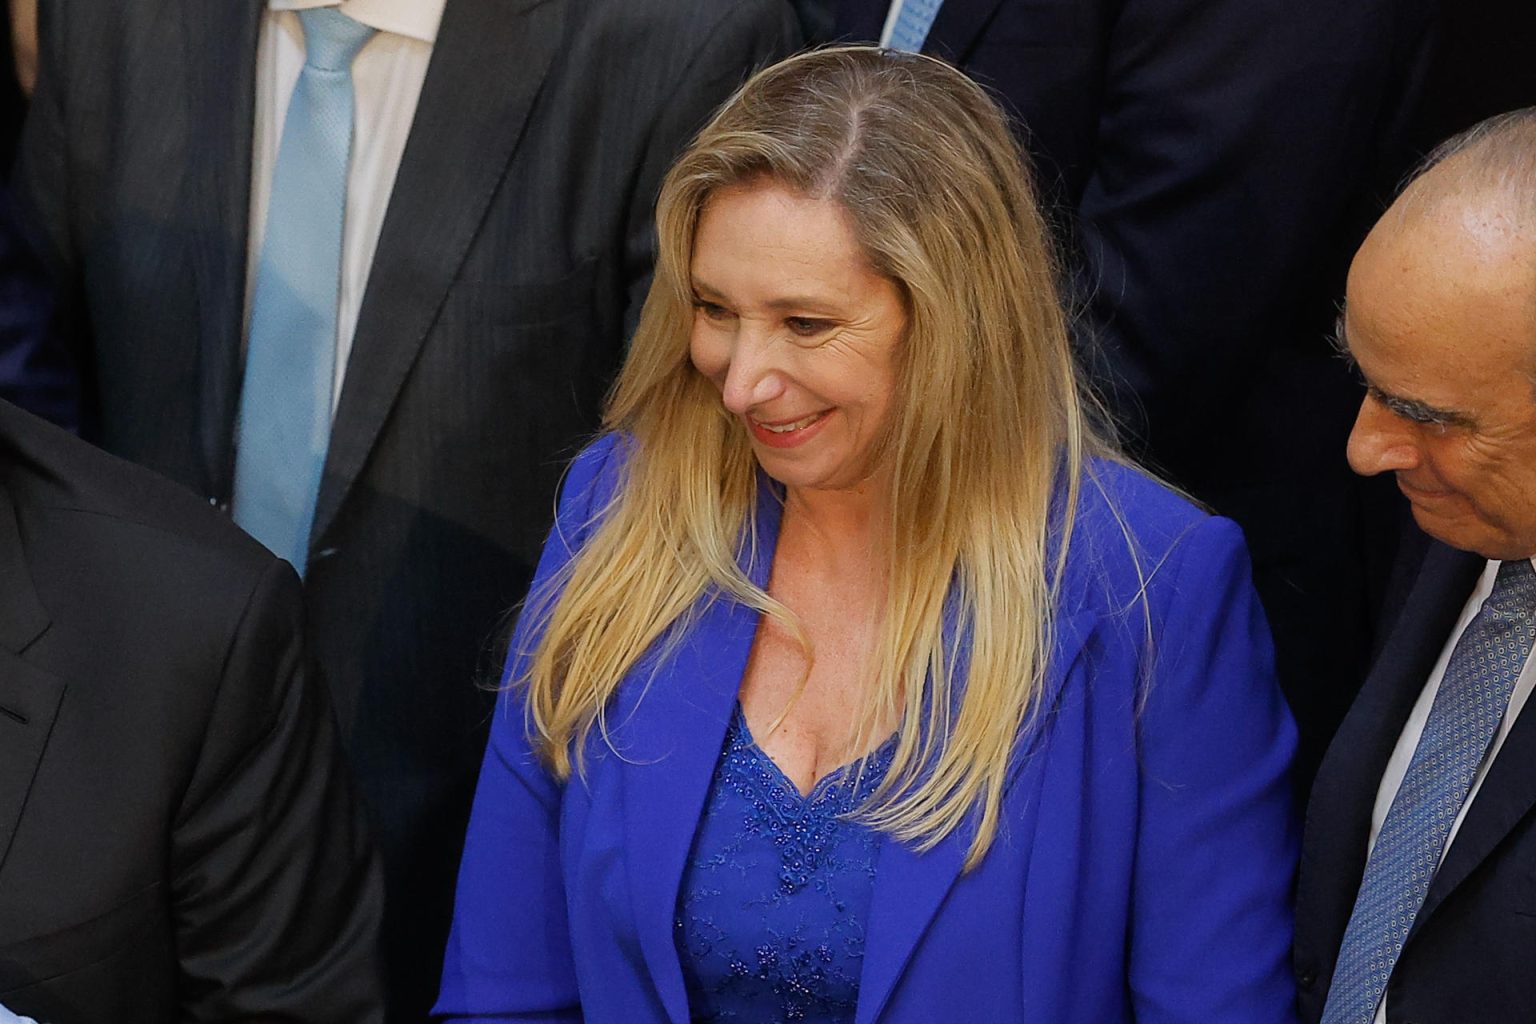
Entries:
{"x":467,"y":126}
{"x":29,"y":697}
{"x":957,"y":27}
{"x":911,"y":886}
{"x":859,"y":21}
{"x":219,"y":54}
{"x":1344,"y":794}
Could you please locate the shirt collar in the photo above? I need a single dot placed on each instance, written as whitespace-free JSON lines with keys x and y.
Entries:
{"x":417,"y":19}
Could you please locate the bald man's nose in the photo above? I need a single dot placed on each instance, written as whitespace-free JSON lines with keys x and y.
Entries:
{"x":1381,"y":442}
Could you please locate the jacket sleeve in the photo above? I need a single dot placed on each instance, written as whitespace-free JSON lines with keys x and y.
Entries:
{"x":1217,"y":838}
{"x":277,"y":892}
{"x":509,"y":952}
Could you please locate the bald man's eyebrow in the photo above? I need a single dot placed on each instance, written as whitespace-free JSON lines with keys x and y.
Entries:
{"x":1411,"y":409}
{"x":1415,"y":411}
{"x":1339,"y":343}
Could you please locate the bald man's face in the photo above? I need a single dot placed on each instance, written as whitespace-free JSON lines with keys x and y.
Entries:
{"x":1441,"y":320}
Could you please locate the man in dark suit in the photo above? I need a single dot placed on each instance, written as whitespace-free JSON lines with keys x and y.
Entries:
{"x":510,"y":252}
{"x":179,"y":839}
{"x":1416,"y":899}
{"x":1212,"y":164}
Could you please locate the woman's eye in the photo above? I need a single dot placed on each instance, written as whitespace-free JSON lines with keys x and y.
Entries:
{"x":805,"y":326}
{"x":711,"y":310}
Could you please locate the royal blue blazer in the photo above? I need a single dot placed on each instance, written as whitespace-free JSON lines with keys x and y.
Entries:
{"x":1143,"y":870}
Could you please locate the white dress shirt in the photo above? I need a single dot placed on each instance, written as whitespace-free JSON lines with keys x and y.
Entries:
{"x":1408,"y":741}
{"x":387,"y":77}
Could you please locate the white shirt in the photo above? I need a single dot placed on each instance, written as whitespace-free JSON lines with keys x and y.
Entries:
{"x":1397,"y":765}
{"x":387,"y":76}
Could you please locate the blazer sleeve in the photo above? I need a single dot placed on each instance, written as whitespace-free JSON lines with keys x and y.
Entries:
{"x":509,"y":951}
{"x":277,"y":891}
{"x":1217,"y":839}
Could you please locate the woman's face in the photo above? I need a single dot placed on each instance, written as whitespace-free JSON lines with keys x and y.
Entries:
{"x":797,"y":332}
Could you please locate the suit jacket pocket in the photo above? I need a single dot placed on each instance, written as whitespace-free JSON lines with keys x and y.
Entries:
{"x":26,"y":961}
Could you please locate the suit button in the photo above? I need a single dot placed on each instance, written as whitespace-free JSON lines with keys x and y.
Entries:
{"x":1306,"y":978}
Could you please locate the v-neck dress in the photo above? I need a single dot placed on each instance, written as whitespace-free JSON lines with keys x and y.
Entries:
{"x":776,"y":890}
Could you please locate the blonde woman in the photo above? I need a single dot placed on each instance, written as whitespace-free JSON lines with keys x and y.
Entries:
{"x":860,"y":681}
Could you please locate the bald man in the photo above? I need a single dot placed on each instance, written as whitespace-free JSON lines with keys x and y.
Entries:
{"x":1417,"y":899}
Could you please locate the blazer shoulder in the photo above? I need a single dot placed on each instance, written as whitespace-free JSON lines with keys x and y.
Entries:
{"x":1130,"y":528}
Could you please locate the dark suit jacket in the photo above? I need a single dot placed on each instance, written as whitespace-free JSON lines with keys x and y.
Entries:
{"x":1213,"y":164}
{"x":1468,"y":956}
{"x":178,"y":836}
{"x":511,"y":262}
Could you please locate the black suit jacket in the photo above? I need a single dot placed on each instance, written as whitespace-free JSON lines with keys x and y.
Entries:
{"x":1468,"y":955}
{"x":1212,"y":165}
{"x":512,"y":261}
{"x":178,"y":836}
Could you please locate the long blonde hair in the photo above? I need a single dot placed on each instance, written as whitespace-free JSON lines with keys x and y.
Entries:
{"x":989,"y":430}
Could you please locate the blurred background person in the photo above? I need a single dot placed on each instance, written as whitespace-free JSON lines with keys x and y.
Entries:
{"x":359,"y":273}
{"x":860,"y":675}
{"x":1210,"y":165}
{"x":179,"y":835}
{"x":35,"y":370}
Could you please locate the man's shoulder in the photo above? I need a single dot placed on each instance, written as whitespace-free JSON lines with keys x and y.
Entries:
{"x":85,"y":507}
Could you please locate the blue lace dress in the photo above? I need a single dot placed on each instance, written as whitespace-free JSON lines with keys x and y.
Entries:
{"x":771,"y":911}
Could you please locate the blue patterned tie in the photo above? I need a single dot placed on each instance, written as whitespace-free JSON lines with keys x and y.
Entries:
{"x":912,"y":24}
{"x":1463,"y":720}
{"x":290,"y":362}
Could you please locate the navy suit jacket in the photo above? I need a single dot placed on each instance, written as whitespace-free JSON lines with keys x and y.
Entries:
{"x":1143,"y":867}
{"x":1468,"y":954}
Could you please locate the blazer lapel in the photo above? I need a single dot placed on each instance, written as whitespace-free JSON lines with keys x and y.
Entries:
{"x":467,"y":126}
{"x":670,"y":734}
{"x":910,"y":886}
{"x":219,"y":53}
{"x":1339,"y":814}
{"x":29,"y":697}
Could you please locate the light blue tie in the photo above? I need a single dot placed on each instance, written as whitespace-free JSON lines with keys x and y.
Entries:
{"x":1463,"y":720}
{"x":912,"y":24}
{"x":290,"y":362}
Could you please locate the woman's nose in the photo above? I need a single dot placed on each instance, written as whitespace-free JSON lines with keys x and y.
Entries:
{"x":754,"y":377}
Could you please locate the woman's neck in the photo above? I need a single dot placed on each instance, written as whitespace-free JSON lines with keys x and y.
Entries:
{"x":842,"y":531}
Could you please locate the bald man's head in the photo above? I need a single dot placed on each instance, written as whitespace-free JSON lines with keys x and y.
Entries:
{"x":1441,"y":319}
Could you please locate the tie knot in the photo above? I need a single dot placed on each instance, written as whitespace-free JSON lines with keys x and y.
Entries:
{"x":1514,"y":589}
{"x":331,"y":39}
